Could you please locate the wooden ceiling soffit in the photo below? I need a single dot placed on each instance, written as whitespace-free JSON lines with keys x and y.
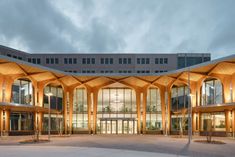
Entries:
{"x":10,"y":69}
{"x":223,"y":68}
{"x":164,"y":80}
{"x":68,"y":80}
{"x":43,"y":76}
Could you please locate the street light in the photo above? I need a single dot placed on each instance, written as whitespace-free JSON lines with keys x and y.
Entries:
{"x":49,"y":114}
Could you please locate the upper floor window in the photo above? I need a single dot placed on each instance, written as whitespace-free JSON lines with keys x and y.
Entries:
{"x":143,"y":61}
{"x":22,"y":92}
{"x":124,"y":61}
{"x":179,"y":98}
{"x":88,"y":60}
{"x":211,"y":92}
{"x":106,"y":61}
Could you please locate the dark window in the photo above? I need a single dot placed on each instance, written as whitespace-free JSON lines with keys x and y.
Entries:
{"x":38,"y":61}
{"x":124,"y":60}
{"x":14,"y":56}
{"x":83,"y":60}
{"x":156,"y":60}
{"x":20,"y":58}
{"x":70,"y":61}
{"x":34,"y":60}
{"x":47,"y":61}
{"x":111,"y":61}
{"x":138,"y":60}
{"x":142,"y":60}
{"x":206,"y":59}
{"x":129,"y":71}
{"x":129,"y":60}
{"x":29,"y":60}
{"x":102,"y":60}
{"x":120,"y":60}
{"x":56,"y":61}
{"x":161,"y":60}
{"x":147,"y":61}
{"x":9,"y":55}
{"x":106,"y":61}
{"x":181,"y":62}
{"x":165,"y":60}
{"x":65,"y":60}
{"x":52,"y":60}
{"x":88,"y":60}
{"x":75,"y":61}
{"x":93,"y":60}
{"x":156,"y":71}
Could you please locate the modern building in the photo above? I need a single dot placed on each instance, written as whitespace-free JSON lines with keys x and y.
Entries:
{"x":117,"y":103}
{"x":110,"y":63}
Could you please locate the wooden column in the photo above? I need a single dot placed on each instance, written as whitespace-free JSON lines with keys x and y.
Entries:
{"x":169,"y":111}
{"x":144,"y":110}
{"x":163,"y":107}
{"x":138,"y":111}
{"x":227,"y":121}
{"x":70,"y":103}
{"x":89,"y":109}
{"x":95,"y":101}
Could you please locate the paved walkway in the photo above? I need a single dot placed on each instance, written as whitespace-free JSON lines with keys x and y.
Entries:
{"x":41,"y":151}
{"x":124,"y":145}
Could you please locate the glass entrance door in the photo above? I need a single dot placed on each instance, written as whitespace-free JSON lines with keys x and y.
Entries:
{"x":118,"y":127}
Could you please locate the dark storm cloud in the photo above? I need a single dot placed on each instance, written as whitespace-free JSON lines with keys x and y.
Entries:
{"x":119,"y":26}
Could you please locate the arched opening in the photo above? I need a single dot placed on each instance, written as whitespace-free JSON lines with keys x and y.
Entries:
{"x":56,"y":106}
{"x":22,"y":92}
{"x":22,"y":122}
{"x":211,"y":92}
{"x":153,"y":110}
{"x":80,"y":110}
{"x":116,"y":110}
{"x":179,"y":106}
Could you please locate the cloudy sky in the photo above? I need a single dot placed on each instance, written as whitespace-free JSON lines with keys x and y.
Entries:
{"x":119,"y":26}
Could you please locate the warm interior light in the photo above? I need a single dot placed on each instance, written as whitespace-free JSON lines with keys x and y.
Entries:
{"x":49,"y":94}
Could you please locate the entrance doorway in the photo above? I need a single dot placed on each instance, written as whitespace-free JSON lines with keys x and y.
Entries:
{"x":118,"y":126}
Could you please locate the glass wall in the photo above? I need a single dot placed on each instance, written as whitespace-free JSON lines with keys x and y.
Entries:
{"x":22,"y":92}
{"x":80,"y":114}
{"x":118,"y":107}
{"x":214,"y":120}
{"x":20,"y":121}
{"x":153,"y":110}
{"x":211,"y":92}
{"x":56,"y":98}
{"x":56,"y":123}
{"x":179,"y":105}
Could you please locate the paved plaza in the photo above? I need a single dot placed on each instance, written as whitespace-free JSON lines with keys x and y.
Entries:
{"x":115,"y":145}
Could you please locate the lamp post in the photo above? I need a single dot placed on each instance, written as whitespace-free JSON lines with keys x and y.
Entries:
{"x":49,"y":115}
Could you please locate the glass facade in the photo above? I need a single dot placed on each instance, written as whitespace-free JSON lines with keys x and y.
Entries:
{"x":21,"y":121}
{"x":211,"y":92}
{"x":80,"y":114}
{"x":22,"y":92}
{"x":56,"y":98}
{"x":116,"y":111}
{"x":215,"y":120}
{"x":56,"y":123}
{"x":153,"y":110}
{"x":179,"y":105}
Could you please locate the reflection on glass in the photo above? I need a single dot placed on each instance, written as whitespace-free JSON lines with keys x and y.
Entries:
{"x":20,"y":121}
{"x":22,"y":92}
{"x":211,"y":92}
{"x":153,"y":110}
{"x":215,"y":120}
{"x":80,"y":114}
{"x":56,"y":98}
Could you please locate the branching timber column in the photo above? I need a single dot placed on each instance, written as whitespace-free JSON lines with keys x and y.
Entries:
{"x":138,"y":111}
{"x":169,"y":110}
{"x":144,"y":110}
{"x":95,"y":101}
{"x":163,"y":108}
{"x":70,"y":95}
{"x":89,"y":109}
